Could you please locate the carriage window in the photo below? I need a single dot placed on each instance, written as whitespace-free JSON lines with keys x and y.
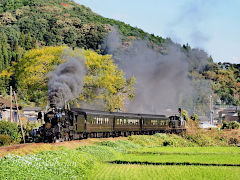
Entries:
{"x":133,"y":121}
{"x":98,"y":120}
{"x":153,"y":122}
{"x":160,"y":122}
{"x":93,"y":121}
{"x":106,"y":120}
{"x":118,"y":121}
{"x":145,"y":122}
{"x":164,"y":123}
{"x":121,"y":121}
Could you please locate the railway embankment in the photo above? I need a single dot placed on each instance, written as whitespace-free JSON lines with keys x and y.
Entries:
{"x":194,"y":137}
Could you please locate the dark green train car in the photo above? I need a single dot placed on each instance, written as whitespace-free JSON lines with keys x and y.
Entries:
{"x":126,"y":124}
{"x":94,"y":123}
{"x":154,"y":123}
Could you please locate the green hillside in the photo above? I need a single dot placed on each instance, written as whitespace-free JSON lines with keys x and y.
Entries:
{"x":29,"y":24}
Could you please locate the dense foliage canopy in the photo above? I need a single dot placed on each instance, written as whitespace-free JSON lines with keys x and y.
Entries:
{"x":104,"y":82}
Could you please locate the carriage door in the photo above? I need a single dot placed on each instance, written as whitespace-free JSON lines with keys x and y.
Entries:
{"x":141,"y":124}
{"x":81,"y":125}
{"x":114,"y":122}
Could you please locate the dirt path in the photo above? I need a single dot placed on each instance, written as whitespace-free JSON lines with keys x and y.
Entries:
{"x":33,"y":148}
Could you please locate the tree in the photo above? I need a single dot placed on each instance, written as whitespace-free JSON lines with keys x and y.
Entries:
{"x":28,"y":42}
{"x":22,"y":39}
{"x":31,"y":72}
{"x":104,"y":81}
{"x":195,"y":118}
{"x":185,"y":115}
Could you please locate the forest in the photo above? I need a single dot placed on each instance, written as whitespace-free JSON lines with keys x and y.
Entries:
{"x":39,"y":31}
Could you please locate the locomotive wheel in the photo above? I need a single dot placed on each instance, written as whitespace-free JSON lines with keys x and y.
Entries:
{"x":66,"y":137}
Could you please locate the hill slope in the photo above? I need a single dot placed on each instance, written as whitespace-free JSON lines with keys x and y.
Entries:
{"x":27,"y":24}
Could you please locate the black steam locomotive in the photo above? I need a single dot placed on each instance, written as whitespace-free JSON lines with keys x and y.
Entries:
{"x":62,"y":125}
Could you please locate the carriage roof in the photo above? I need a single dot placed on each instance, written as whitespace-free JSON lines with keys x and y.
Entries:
{"x":120,"y":114}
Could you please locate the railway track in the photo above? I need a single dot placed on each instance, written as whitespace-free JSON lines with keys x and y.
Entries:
{"x":13,"y":147}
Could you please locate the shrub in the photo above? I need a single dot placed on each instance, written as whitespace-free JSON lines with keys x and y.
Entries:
{"x":10,"y":129}
{"x":233,"y":141}
{"x":185,"y":115}
{"x":195,"y":118}
{"x":230,"y":125}
{"x":5,"y":140}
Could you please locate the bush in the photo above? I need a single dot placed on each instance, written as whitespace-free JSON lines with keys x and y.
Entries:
{"x":195,"y":118}
{"x":233,"y":141}
{"x":230,"y":125}
{"x":5,"y":140}
{"x":10,"y":129}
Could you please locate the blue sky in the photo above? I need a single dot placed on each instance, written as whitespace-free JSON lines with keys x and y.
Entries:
{"x":212,"y":25}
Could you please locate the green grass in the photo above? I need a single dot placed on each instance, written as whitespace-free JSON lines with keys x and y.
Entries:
{"x":186,"y":158}
{"x":99,"y":161}
{"x":190,"y":150}
{"x":145,"y":172}
{"x":152,"y":154}
{"x":62,"y":164}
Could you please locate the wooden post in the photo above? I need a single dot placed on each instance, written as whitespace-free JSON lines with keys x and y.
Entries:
{"x":11,"y":119}
{"x":19,"y":119}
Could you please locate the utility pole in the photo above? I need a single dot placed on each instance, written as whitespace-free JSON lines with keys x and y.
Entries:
{"x":211,"y":110}
{"x":19,"y":119}
{"x":11,"y":119}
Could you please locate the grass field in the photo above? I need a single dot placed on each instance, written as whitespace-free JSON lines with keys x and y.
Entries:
{"x":195,"y":163}
{"x":194,"y":155}
{"x":145,"y":172}
{"x":126,"y":159}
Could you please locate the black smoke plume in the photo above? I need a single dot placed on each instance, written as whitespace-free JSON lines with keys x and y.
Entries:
{"x":66,"y":81}
{"x":162,"y":81}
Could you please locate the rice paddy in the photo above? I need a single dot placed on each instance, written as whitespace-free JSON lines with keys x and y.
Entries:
{"x":125,"y":159}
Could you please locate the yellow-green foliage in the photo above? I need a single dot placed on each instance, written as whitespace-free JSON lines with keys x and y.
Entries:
{"x":104,"y":81}
{"x":30,"y":73}
{"x":185,"y":115}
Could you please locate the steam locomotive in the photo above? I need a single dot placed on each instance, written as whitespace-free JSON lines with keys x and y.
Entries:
{"x":62,"y":125}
